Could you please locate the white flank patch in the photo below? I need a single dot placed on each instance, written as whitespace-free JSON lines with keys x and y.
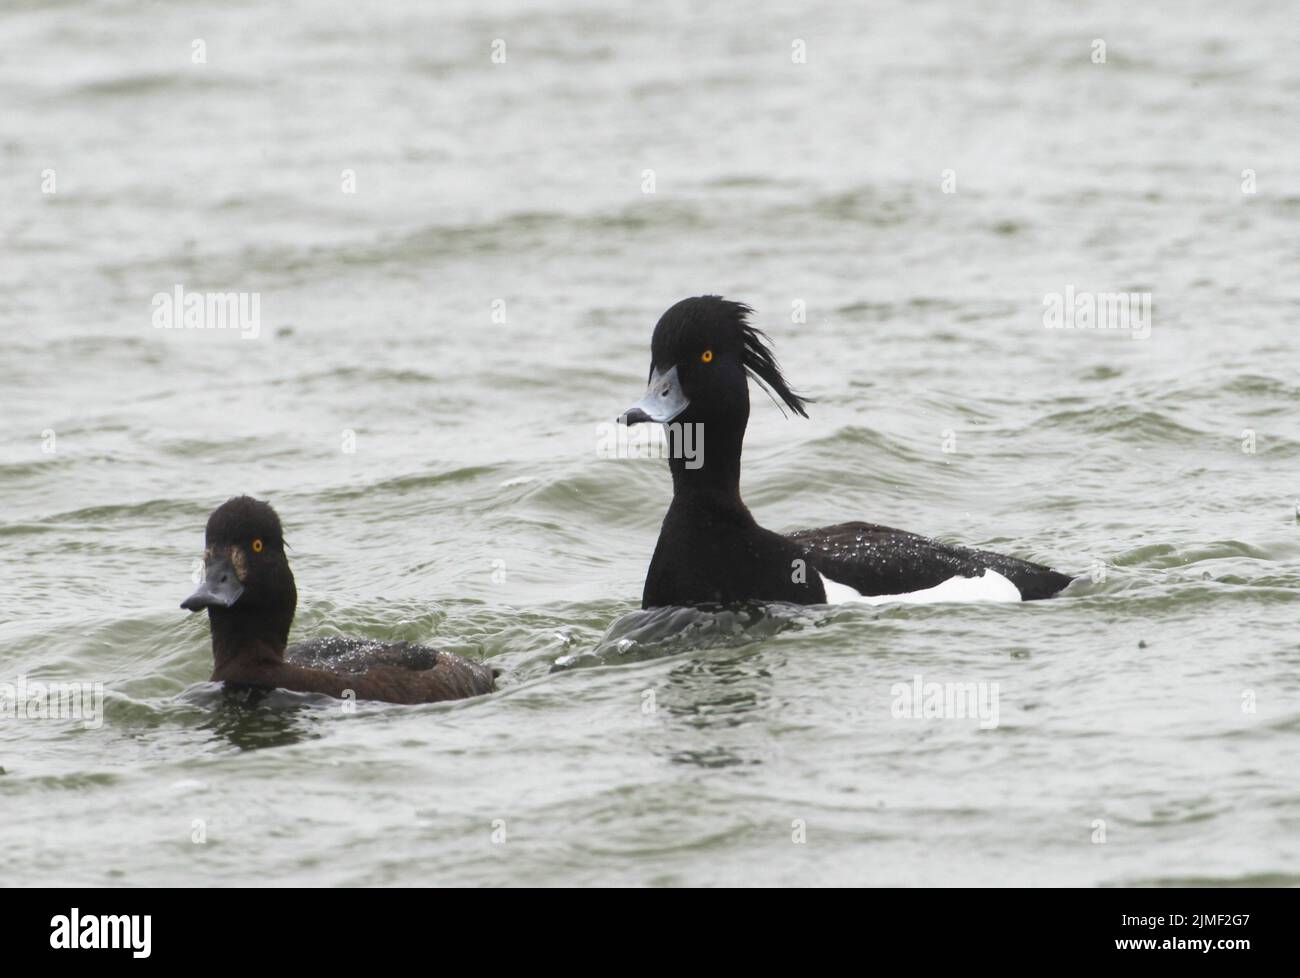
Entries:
{"x":989,"y":586}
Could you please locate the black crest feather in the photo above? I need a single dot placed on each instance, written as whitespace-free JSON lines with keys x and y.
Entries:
{"x":761,"y":364}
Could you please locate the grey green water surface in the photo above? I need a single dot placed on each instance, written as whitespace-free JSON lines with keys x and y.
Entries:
{"x":1158,"y":708}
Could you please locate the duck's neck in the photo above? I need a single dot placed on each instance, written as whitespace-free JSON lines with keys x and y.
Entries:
{"x":244,"y":640}
{"x":705,"y":460}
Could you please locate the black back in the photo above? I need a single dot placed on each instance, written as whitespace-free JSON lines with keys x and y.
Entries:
{"x":875,"y":560}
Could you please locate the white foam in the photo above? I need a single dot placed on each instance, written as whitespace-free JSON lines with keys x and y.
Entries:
{"x":989,"y":586}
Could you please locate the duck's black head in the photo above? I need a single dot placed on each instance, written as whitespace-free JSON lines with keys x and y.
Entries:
{"x":701,"y":356}
{"x":248,"y":587}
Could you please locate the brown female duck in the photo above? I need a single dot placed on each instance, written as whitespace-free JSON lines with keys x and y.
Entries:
{"x":249,"y":593}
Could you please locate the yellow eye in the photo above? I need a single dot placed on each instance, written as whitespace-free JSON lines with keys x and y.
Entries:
{"x":707,"y":356}
{"x":257,"y":546}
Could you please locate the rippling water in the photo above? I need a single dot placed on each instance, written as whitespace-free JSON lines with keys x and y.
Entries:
{"x":484,"y":300}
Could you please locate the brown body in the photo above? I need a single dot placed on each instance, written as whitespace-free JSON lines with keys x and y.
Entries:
{"x":450,"y":678}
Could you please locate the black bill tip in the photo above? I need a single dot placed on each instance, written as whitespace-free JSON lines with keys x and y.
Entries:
{"x":634,"y":416}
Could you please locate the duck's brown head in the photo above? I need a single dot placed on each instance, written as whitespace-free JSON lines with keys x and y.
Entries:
{"x":247,"y":588}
